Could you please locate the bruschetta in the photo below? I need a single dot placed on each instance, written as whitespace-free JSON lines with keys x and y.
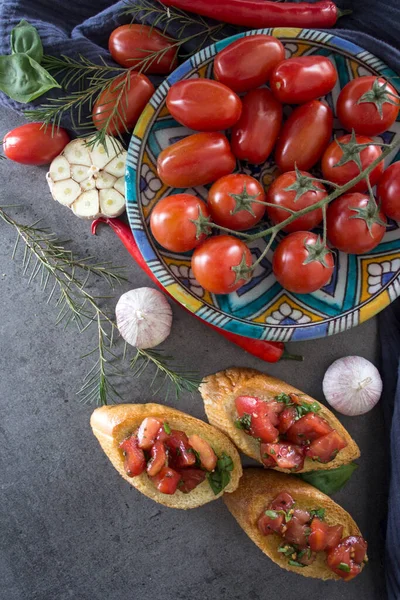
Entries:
{"x":169,"y":456}
{"x":297,"y":526}
{"x":274,"y":423}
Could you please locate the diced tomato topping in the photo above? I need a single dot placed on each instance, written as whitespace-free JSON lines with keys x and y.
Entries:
{"x":208,"y":458}
{"x":162,"y":435}
{"x":190,"y":479}
{"x":347,"y":557}
{"x":268,"y":525}
{"x":287,"y":418}
{"x":295,"y":399}
{"x":325,"y":448}
{"x":308,"y":428}
{"x":306,"y":557}
{"x":166,"y":481}
{"x":318,"y":536}
{"x":297,"y":532}
{"x":135,"y":462}
{"x":246,"y":405}
{"x":303,"y":516}
{"x":264,"y":417}
{"x":285,"y":456}
{"x":273,"y":410}
{"x":333,"y":536}
{"x":262,"y":428}
{"x":147,"y":432}
{"x":283,"y":501}
{"x":158,"y":459}
{"x":180,"y":454}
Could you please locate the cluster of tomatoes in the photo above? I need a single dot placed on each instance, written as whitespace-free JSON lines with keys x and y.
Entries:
{"x":236,"y":202}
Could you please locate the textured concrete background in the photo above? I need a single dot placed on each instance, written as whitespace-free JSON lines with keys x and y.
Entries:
{"x":70,"y":526}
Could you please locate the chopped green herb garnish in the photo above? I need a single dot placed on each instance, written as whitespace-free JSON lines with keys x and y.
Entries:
{"x":167,"y":429}
{"x":287,"y":550}
{"x":244,"y":422}
{"x":271,"y":451}
{"x":344,"y":567}
{"x":294,"y":563}
{"x":284,"y":398}
{"x":272,"y":514}
{"x":306,"y":407}
{"x":318,"y":512}
{"x":221,"y":477}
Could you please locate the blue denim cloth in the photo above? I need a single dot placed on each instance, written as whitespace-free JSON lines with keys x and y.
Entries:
{"x":74,"y":27}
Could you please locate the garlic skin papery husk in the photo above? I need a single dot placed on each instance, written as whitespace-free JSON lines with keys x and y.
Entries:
{"x":90,"y":181}
{"x":352,"y":385}
{"x":144,"y":317}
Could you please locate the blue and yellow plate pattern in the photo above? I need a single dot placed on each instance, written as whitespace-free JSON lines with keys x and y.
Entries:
{"x":360,"y":287}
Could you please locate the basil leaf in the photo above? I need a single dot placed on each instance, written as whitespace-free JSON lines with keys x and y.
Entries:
{"x":244,"y":422}
{"x":317,"y":512}
{"x":284,"y":398}
{"x":23,"y":79}
{"x":220,"y":478}
{"x":330,"y":481}
{"x":25,"y":40}
{"x":272,"y":514}
{"x":167,"y":429}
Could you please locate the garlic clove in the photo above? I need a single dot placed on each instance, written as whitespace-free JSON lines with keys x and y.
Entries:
{"x":101,"y":156}
{"x":60,"y":169}
{"x":88,"y":184}
{"x":144,"y":317}
{"x":117,"y":166}
{"x":105,"y":181}
{"x":77,"y":153}
{"x":65,"y":191}
{"x":112,"y":203}
{"x":352,"y":385}
{"x":79,"y":173}
{"x":120,"y":186}
{"x":87,"y":205}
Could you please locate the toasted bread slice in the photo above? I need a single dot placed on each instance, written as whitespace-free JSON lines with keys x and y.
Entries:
{"x":112,"y":424}
{"x":220,"y":390}
{"x":258,"y":487}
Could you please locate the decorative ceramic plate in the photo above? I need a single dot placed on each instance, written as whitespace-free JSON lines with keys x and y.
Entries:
{"x":360,"y":286}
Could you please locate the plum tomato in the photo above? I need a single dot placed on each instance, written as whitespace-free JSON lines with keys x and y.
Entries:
{"x":283,"y":501}
{"x":203,"y":104}
{"x":347,"y":557}
{"x":308,"y":428}
{"x":355,"y":224}
{"x":166,"y":481}
{"x":197,"y":159}
{"x":208,"y":458}
{"x":295,"y":191}
{"x":388,"y":191}
{"x":147,"y":432}
{"x":344,"y":150}
{"x":190,"y":479}
{"x":222,"y":264}
{"x":134,"y":462}
{"x":302,"y":78}
{"x":284,"y":455}
{"x":158,"y":459}
{"x":255,"y":134}
{"x":269,"y":524}
{"x":247,"y":63}
{"x":325,"y":448}
{"x":304,"y":137}
{"x":34,"y":143}
{"x":131,"y":103}
{"x":172,"y":222}
{"x":233,"y":201}
{"x":302,"y":263}
{"x":129,"y":45}
{"x":368,"y":104}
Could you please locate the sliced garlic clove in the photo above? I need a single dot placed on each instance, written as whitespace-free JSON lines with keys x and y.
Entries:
{"x":87,"y":205}
{"x":88,"y":184}
{"x":79,"y":172}
{"x":120,"y":186}
{"x":65,"y":191}
{"x":105,"y":181}
{"x":117,"y":166}
{"x":77,"y":153}
{"x":101,"y":155}
{"x":112,"y":203}
{"x":60,"y":169}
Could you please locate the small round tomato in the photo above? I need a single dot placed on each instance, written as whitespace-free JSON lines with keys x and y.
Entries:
{"x":130,"y":45}
{"x":34,"y":143}
{"x":295,"y":191}
{"x":325,"y":448}
{"x":308,"y":428}
{"x":172,"y":225}
{"x":302,"y":263}
{"x":255,"y":134}
{"x":166,"y":481}
{"x":388,"y":191}
{"x":233,"y":201}
{"x":344,"y":149}
{"x":247,"y":63}
{"x":222,"y":264}
{"x":131,"y":103}
{"x":303,"y":78}
{"x":196,"y":160}
{"x":347,"y":557}
{"x":203,"y":104}
{"x":368,"y":104}
{"x":355,"y":224}
{"x":304,"y":137}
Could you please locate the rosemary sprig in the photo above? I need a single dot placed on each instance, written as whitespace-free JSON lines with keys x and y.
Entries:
{"x":46,"y":256}
{"x":172,"y":375}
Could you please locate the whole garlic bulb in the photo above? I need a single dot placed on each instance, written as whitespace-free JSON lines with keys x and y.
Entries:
{"x":352,"y":385}
{"x":144,"y":317}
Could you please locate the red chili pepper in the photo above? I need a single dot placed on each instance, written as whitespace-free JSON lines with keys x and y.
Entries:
{"x":261,"y":13}
{"x":268,"y":351}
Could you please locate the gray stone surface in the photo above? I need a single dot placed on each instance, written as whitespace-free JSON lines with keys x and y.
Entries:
{"x":71,"y":527}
